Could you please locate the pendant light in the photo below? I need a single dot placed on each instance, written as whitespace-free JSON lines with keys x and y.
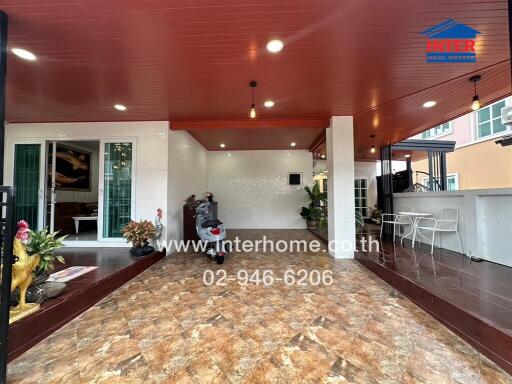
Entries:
{"x":252,"y":111}
{"x":475,"y":105}
{"x":372,"y":150}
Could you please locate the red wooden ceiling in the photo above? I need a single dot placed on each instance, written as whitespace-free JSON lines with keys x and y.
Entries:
{"x":192,"y":60}
{"x":257,"y":138}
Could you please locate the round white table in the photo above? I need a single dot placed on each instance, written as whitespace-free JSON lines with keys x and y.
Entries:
{"x":415,"y":218}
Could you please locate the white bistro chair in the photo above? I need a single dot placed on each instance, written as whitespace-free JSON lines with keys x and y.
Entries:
{"x":395,"y":219}
{"x":448,"y":222}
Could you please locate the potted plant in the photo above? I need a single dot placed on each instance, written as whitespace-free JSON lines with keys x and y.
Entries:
{"x":44,"y":244}
{"x":314,"y":213}
{"x":139,"y":233}
{"x":376,"y":215}
{"x":317,"y":198}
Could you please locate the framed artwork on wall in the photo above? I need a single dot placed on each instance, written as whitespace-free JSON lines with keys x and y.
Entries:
{"x":73,"y":168}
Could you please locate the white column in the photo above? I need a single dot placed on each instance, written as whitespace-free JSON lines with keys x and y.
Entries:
{"x":340,"y":187}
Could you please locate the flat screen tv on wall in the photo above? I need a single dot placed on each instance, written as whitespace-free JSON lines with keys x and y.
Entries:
{"x":73,"y":168}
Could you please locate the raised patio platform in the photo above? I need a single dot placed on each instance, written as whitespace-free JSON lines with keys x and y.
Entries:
{"x":115,"y":267}
{"x":472,"y":299}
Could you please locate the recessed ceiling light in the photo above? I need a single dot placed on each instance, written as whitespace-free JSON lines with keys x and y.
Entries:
{"x":274,"y":46}
{"x":293,"y":144}
{"x":120,"y":107}
{"x":24,"y":54}
{"x":222,"y":145}
{"x":429,"y":104}
{"x":407,"y":156}
{"x":323,"y":156}
{"x":268,"y":103}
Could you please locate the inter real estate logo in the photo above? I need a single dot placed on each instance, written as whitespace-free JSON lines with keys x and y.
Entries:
{"x":451,"y":42}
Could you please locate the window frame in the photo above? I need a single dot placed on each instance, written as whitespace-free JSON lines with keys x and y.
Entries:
{"x":425,"y":181}
{"x":477,"y":122}
{"x":366,"y":178}
{"x":437,"y":135}
{"x":456,"y":177}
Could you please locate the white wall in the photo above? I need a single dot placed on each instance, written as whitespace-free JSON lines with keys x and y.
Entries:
{"x":151,"y":148}
{"x":485,"y":224}
{"x":187,"y":175}
{"x":252,"y":188}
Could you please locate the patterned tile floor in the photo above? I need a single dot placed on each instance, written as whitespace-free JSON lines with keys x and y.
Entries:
{"x":167,"y":326}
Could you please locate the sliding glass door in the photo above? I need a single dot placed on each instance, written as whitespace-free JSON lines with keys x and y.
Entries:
{"x":117,"y":192}
{"x":27,"y":178}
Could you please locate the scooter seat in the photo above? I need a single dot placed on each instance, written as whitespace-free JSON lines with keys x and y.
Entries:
{"x":211,"y":223}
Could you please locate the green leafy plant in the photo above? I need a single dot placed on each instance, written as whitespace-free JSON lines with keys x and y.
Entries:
{"x":376,"y":215}
{"x":323,"y":222}
{"x":138,"y":232}
{"x":315,"y":212}
{"x":359,"y":221}
{"x":311,"y":213}
{"x":317,"y":198}
{"x":44,"y":244}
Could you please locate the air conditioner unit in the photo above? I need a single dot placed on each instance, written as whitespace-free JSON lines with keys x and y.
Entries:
{"x":506,"y":115}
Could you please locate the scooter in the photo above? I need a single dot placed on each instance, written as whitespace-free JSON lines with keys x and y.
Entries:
{"x":210,"y":230}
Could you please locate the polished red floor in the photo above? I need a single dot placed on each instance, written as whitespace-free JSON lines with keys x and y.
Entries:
{"x":472,"y":298}
{"x":115,"y":267}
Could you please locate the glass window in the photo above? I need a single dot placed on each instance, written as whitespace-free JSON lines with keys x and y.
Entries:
{"x":498,"y":126}
{"x":484,"y":129}
{"x":489,"y":120}
{"x":496,"y":108}
{"x":437,"y":131}
{"x":361,"y":193}
{"x":452,"y":182}
{"x":483,"y":115}
{"x":26,"y":181}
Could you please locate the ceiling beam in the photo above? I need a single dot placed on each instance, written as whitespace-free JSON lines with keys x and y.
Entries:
{"x":187,"y":125}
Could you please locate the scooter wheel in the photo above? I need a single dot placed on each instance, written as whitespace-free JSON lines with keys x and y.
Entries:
{"x":220,"y":259}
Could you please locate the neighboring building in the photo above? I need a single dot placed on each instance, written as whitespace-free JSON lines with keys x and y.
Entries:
{"x":477,"y":162}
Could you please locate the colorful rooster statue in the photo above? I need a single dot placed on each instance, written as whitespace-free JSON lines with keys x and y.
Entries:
{"x":22,"y":272}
